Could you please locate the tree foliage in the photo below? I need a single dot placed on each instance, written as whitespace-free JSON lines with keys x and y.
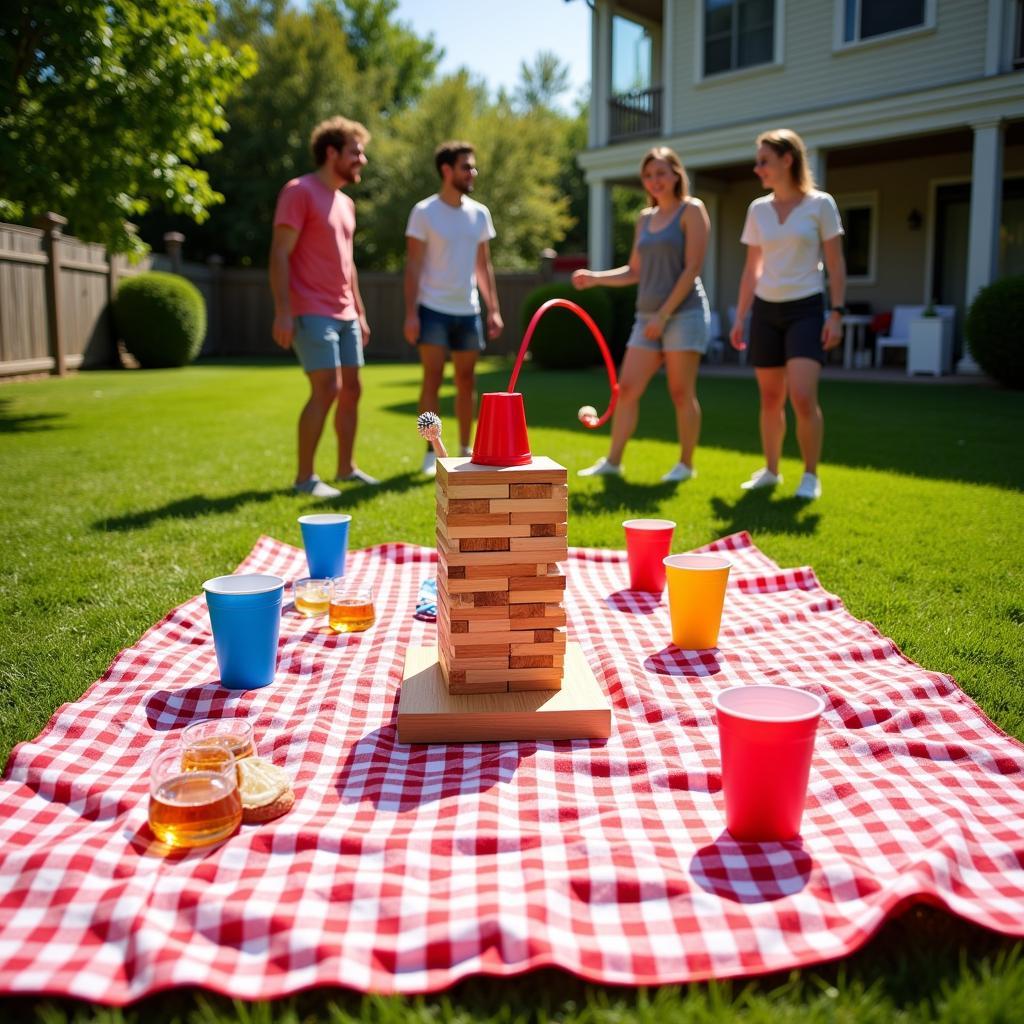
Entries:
{"x":106,"y":106}
{"x":542,"y":81}
{"x":518,"y":155}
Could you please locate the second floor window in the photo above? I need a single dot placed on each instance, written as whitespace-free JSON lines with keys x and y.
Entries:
{"x":1018,"y":37}
{"x":865,"y":19}
{"x":738,"y":34}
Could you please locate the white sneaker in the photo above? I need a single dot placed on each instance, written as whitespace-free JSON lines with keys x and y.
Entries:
{"x":764,"y":477}
{"x":429,"y":467}
{"x":466,"y":452}
{"x":601,"y":468}
{"x":357,"y":476}
{"x":317,"y":488}
{"x":679,"y":474}
{"x":810,"y":487}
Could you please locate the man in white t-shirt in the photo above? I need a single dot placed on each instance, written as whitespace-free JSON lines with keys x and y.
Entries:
{"x":448,"y":266}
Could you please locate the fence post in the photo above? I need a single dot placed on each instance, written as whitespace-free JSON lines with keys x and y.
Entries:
{"x":52,"y":225}
{"x":173,"y":241}
{"x":213,"y":314}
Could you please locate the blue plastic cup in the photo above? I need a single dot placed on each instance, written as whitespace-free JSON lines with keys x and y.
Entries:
{"x":245,"y":614}
{"x":325,"y":538}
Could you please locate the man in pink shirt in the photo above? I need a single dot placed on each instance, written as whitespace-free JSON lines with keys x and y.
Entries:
{"x":318,"y":310}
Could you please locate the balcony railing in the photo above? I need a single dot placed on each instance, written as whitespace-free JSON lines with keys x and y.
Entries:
{"x":634,"y":114}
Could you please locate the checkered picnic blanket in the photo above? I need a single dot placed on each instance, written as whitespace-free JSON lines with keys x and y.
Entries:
{"x":404,"y":868}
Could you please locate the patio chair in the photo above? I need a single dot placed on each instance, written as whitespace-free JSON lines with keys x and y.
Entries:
{"x":899,"y":336}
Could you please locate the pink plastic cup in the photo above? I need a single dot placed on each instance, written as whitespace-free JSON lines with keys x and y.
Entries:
{"x":767,"y":739}
{"x":648,"y":542}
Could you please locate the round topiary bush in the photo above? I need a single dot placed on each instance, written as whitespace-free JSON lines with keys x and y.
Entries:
{"x":562,"y":341}
{"x":161,"y":318}
{"x":994,"y":328}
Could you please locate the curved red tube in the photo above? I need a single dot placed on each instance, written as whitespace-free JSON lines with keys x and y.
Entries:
{"x":595,"y":331}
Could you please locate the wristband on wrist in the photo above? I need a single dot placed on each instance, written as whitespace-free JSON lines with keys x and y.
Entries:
{"x":841,"y":310}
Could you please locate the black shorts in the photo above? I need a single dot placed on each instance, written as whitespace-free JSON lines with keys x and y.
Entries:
{"x":780,"y":331}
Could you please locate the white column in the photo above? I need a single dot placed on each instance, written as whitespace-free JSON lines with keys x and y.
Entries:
{"x":599,"y":227}
{"x":668,"y":64}
{"x":986,"y":212}
{"x":995,"y":37}
{"x":817,"y":162}
{"x":600,"y":72}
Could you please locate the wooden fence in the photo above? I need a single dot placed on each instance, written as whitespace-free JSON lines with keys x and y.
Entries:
{"x":55,"y":295}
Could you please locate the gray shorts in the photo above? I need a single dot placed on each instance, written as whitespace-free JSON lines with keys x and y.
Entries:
{"x":324,"y":343}
{"x":688,"y":331}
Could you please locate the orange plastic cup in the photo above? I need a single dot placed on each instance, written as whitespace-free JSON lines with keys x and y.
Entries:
{"x":648,"y":541}
{"x":696,"y":594}
{"x":767,"y":743}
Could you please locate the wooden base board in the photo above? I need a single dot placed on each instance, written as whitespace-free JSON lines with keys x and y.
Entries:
{"x":428,"y":713}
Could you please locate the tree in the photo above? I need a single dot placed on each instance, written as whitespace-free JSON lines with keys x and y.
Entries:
{"x":107,"y":105}
{"x":542,"y":82}
{"x":519,"y":156}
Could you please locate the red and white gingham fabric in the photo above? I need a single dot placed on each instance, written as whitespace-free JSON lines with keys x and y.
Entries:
{"x":404,"y":868}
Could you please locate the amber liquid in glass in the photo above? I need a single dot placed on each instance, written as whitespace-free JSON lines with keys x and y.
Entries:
{"x":195,"y":756}
{"x":351,"y":618}
{"x":194,"y":809}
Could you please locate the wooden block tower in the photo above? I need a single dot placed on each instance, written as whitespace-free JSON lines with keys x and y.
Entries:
{"x":501,"y":530}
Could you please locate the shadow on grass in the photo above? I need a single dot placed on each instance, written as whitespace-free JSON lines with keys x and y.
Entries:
{"x":352,"y":495}
{"x":27,"y":423}
{"x":949,"y":432}
{"x":618,"y":495}
{"x":756,"y":511}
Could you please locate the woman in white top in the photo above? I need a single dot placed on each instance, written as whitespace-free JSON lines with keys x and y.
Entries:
{"x":787,"y":234}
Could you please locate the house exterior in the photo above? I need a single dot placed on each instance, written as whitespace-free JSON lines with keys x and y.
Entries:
{"x":912,"y":110}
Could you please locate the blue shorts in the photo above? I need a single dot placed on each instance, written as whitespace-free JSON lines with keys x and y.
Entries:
{"x":688,"y":331}
{"x":459,"y":333}
{"x":324,"y":343}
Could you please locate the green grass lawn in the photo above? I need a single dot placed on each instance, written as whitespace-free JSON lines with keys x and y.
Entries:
{"x":120,"y":492}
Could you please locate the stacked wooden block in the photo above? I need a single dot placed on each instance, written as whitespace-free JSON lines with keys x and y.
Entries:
{"x":500,"y":532}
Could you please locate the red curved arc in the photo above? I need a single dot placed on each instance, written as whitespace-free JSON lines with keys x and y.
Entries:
{"x":598,"y":337}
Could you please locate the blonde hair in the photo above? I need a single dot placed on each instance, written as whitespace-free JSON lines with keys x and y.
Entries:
{"x":671,"y":157}
{"x":336,"y":132}
{"x":783,"y":141}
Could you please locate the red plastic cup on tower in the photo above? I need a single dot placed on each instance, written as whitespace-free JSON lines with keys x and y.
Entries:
{"x":648,"y":542}
{"x":501,"y":438}
{"x":767,"y":743}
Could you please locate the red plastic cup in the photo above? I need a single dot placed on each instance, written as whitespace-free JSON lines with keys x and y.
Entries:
{"x":648,"y":542}
{"x":501,"y":438}
{"x":767,"y":741}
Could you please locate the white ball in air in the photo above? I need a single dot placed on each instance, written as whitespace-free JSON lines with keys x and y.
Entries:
{"x":587,"y":414}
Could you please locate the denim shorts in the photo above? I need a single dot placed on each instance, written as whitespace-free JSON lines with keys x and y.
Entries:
{"x":688,"y":331}
{"x":459,"y":333}
{"x":324,"y":343}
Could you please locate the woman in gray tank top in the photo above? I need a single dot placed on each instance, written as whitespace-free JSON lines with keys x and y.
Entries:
{"x":672,"y":317}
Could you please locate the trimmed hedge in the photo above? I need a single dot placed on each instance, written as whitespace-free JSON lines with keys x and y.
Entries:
{"x":623,"y":314}
{"x":994,"y":329}
{"x":161,"y":318}
{"x":562,"y":341}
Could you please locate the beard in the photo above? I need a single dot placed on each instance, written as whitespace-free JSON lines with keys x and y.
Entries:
{"x":463,"y":187}
{"x":347,"y":171}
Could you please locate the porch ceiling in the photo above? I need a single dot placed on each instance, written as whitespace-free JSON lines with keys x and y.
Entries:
{"x":650,"y":10}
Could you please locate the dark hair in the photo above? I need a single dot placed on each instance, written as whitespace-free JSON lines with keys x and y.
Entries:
{"x":336,"y":132}
{"x":783,"y":141}
{"x":671,"y":157}
{"x":448,"y":152}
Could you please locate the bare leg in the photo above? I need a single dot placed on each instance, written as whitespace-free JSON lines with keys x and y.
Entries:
{"x":345,"y":418}
{"x":638,"y":367}
{"x":681,"y":368}
{"x":771,"y":382}
{"x":324,"y":386}
{"x":465,"y":393}
{"x":802,"y":376}
{"x":432,"y":358}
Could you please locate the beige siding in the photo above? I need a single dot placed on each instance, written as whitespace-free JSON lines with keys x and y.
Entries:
{"x":902,"y":254}
{"x":813,"y":76}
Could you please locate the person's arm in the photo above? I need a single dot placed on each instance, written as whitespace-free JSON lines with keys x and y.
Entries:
{"x":696,"y":223}
{"x":835,"y":262}
{"x":281,"y":245}
{"x":489,"y":290}
{"x":364,"y":324}
{"x":748,"y":282}
{"x":617,"y":278}
{"x":415,"y":250}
